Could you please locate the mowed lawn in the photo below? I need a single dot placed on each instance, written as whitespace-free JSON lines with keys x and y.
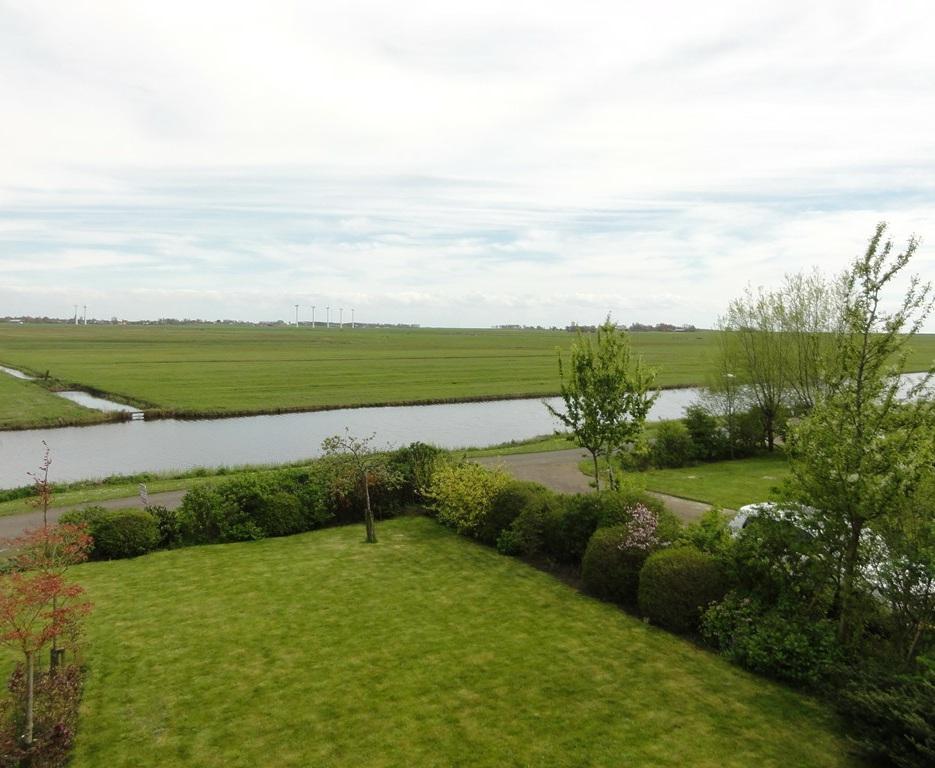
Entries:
{"x":222,"y":370}
{"x":423,"y":650}
{"x":728,"y":484}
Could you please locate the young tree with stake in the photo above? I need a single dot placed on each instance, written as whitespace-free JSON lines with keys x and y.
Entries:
{"x":360,"y":467}
{"x":607,"y":394}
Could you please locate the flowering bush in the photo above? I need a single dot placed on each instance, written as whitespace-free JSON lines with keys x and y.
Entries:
{"x":640,"y":530}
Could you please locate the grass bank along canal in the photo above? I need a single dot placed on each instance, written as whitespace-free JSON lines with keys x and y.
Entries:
{"x":80,"y":453}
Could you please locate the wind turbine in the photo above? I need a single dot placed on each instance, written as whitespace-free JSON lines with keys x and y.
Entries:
{"x":327,"y":317}
{"x":296,"y":315}
{"x":313,"y":315}
{"x":341,"y":318}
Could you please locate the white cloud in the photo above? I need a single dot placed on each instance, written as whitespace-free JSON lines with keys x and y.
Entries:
{"x":453,"y":163}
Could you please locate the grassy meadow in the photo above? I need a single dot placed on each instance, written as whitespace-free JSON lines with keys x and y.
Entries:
{"x":229,"y":370}
{"x":425,"y":649}
{"x":205,"y":370}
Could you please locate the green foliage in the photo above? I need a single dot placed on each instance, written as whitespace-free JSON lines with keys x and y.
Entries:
{"x":610,"y":568}
{"x":864,"y":448}
{"x":892,"y":717}
{"x":777,"y":641}
{"x":676,"y":585}
{"x":566,"y":536}
{"x":535,"y":529}
{"x":606,"y":394}
{"x":462,"y":494}
{"x":312,"y":487}
{"x":709,"y":440}
{"x":710,"y":533}
{"x":505,"y":506}
{"x":170,"y":529}
{"x":414,"y":465}
{"x":118,"y":533}
{"x":206,"y":517}
{"x":673,"y":445}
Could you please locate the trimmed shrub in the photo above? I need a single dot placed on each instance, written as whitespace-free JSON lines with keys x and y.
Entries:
{"x":415,"y":464}
{"x":534,"y":527}
{"x":616,"y":507}
{"x":170,"y":530}
{"x":117,"y":533}
{"x":311,"y":486}
{"x":280,"y":514}
{"x":206,"y":517}
{"x":462,"y":494}
{"x":566,"y":534}
{"x":610,"y":567}
{"x":673,"y":445}
{"x":505,"y":506}
{"x":777,"y":641}
{"x":676,"y":585}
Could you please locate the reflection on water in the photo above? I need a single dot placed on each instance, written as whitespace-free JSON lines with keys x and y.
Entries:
{"x":97,"y":403}
{"x":17,"y":374}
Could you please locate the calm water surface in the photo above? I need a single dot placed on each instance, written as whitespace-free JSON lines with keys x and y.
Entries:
{"x":80,"y":453}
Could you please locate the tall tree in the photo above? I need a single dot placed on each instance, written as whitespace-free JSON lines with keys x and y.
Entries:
{"x":812,"y":310}
{"x":607,"y":394}
{"x":868,"y":442}
{"x":754,"y":325}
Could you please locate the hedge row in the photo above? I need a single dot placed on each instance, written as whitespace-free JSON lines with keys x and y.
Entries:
{"x":253,"y":506}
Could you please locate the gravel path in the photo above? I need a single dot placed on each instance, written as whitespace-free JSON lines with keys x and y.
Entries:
{"x":559,"y":471}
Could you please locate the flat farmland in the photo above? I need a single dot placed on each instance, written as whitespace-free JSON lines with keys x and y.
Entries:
{"x":198,"y":370}
{"x":229,"y":370}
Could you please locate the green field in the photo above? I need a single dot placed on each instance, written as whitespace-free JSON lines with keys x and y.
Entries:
{"x":727,"y":484}
{"x":205,"y":370}
{"x":425,"y":649}
{"x":23,"y":402}
{"x":229,"y":370}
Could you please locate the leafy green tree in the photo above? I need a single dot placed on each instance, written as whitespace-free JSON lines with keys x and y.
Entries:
{"x":359,"y":467}
{"x":607,"y":394}
{"x":868,"y":443}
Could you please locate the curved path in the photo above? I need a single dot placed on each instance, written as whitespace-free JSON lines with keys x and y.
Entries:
{"x":559,"y":471}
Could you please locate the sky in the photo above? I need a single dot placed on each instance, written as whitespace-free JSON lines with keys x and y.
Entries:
{"x":452,"y":163}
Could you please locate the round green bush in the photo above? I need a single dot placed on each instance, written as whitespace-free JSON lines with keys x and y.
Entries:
{"x":610,"y":567}
{"x":673,"y":445}
{"x":505,"y":506}
{"x":121,"y":533}
{"x":280,"y":514}
{"x":677,"y":585}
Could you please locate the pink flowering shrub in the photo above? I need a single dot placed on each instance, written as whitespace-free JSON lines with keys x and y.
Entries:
{"x":641,"y":530}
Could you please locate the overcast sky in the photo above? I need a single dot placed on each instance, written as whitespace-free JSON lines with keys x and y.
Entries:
{"x":453,"y":163}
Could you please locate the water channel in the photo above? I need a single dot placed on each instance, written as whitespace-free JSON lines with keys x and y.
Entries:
{"x":80,"y":453}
